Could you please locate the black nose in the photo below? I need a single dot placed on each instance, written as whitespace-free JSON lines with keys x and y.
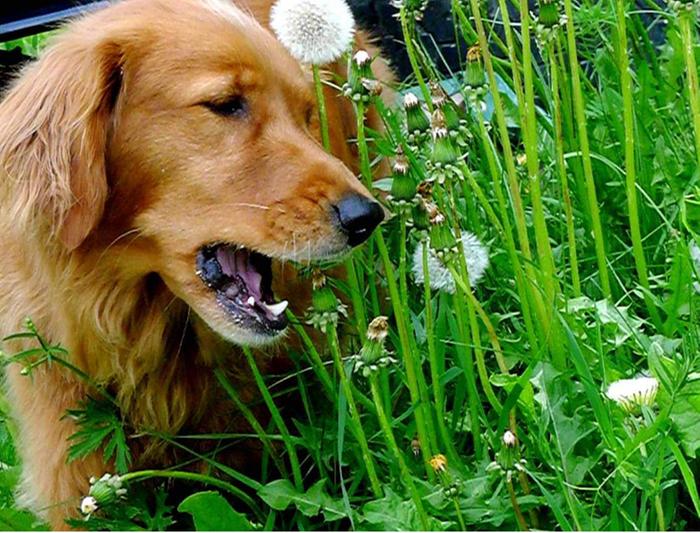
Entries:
{"x":358,"y":217}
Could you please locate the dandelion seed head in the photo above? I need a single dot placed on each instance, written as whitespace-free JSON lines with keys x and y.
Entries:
{"x":316,"y":32}
{"x":475,"y":254}
{"x":633,"y":393}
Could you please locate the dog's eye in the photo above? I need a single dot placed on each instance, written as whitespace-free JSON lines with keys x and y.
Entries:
{"x":236,"y":106}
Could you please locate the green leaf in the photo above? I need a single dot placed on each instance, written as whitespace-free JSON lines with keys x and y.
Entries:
{"x":14,"y":520}
{"x":685,"y":414}
{"x":99,"y":424}
{"x":393,"y":513}
{"x":280,"y":494}
{"x":211,"y":512}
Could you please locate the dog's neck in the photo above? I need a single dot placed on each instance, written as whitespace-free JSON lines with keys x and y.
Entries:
{"x":129,"y":332}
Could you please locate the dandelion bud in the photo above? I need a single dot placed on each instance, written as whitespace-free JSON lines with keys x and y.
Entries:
{"x":361,"y":80}
{"x":549,"y":13}
{"x":416,"y":119}
{"x":378,"y":329}
{"x":403,"y":187}
{"x":439,"y":463}
{"x":325,"y":307}
{"x":106,"y":490}
{"x":445,"y":104}
{"x":509,"y":439}
{"x":373,"y":354}
{"x":444,"y":152}
{"x":474,"y":76}
{"x":324,"y":300}
{"x":415,"y":446}
{"x":421,"y":220}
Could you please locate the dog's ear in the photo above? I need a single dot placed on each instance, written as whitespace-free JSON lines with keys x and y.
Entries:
{"x":53,"y":140}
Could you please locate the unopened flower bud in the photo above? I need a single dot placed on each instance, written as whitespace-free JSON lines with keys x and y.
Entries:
{"x":509,"y":439}
{"x":416,"y":119}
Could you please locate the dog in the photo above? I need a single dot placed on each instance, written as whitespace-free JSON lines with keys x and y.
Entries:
{"x":159,"y":170}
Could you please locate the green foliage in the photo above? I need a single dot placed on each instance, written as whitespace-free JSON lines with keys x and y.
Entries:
{"x":280,"y":494}
{"x":99,"y":426}
{"x":211,"y":512}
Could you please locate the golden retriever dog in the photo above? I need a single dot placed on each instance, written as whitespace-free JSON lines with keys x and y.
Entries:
{"x":159,"y":169}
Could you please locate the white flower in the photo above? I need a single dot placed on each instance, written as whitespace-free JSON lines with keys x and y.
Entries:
{"x":633,"y":393}
{"x":88,"y":505}
{"x":410,"y":100}
{"x":509,"y":439}
{"x":314,"y":31}
{"x":475,"y":253}
{"x":361,"y":58}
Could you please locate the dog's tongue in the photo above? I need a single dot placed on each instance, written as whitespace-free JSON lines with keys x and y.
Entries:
{"x":236,"y":263}
{"x":239,"y":263}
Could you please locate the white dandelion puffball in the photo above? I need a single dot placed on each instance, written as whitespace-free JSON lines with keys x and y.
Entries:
{"x":633,"y":393}
{"x":475,"y":254}
{"x":314,"y":31}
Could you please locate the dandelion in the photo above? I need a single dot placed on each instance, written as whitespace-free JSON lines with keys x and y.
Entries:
{"x":439,"y":463}
{"x":325,"y":308}
{"x":88,"y":505}
{"x":475,"y":254}
{"x":509,"y":439}
{"x":316,"y":32}
{"x":631,"y":394}
{"x":373,"y":354}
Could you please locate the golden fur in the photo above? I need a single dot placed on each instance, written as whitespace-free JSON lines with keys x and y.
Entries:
{"x":112,"y":174}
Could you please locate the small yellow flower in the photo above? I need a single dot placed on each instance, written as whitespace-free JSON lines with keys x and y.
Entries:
{"x":439,"y":463}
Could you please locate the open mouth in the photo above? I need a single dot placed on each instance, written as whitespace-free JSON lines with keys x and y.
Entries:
{"x":242,"y":282}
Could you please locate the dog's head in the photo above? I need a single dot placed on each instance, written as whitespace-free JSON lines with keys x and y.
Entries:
{"x":179,"y":139}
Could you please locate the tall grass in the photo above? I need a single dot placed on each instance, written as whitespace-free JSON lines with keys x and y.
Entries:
{"x":484,"y":407}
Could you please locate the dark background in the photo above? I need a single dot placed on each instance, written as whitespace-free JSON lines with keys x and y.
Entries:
{"x":24,"y":17}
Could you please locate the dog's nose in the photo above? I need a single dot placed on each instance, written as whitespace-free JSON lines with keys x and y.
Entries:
{"x":358,"y":216}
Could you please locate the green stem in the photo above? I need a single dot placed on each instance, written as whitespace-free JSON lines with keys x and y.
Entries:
{"x":516,"y":506}
{"x":435,"y":367}
{"x":418,"y":398}
{"x":322,"y":113}
{"x":580,"y":112}
{"x":192,"y":476}
{"x":685,"y":23}
{"x":277,"y":418}
{"x":356,"y":422}
{"x":391,"y":441}
{"x":251,"y":419}
{"x":511,"y":172}
{"x":630,"y":165}
{"x":407,"y":355}
{"x":561,"y":168}
{"x":412,"y":57}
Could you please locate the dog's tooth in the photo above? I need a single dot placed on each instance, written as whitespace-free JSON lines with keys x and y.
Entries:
{"x":251,"y":301}
{"x":278,"y":308}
